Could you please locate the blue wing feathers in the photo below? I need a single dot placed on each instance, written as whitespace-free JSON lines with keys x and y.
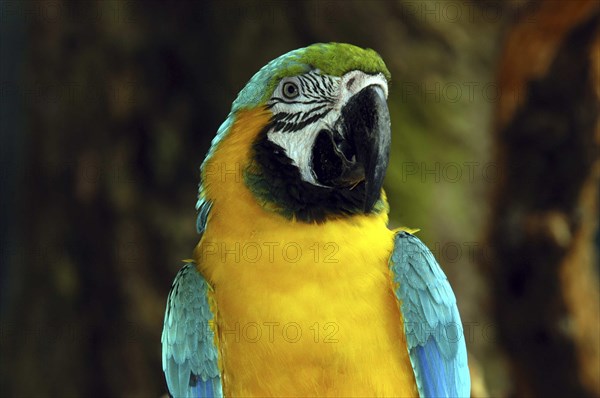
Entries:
{"x":190,"y":357}
{"x":429,"y":359}
{"x":431,"y":321}
{"x":206,"y":388}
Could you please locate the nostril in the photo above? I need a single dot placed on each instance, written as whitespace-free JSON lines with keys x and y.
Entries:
{"x":350,"y":83}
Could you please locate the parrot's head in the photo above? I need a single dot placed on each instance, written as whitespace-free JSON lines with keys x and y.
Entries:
{"x":321,"y":148}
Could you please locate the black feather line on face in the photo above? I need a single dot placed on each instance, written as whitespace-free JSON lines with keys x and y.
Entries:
{"x":275,"y":180}
{"x":291,"y":127}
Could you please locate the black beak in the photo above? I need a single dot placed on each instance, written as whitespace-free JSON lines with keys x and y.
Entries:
{"x":366,"y":121}
{"x":357,"y":149}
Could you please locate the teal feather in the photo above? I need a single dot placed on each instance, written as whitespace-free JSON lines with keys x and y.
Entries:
{"x":189,"y":354}
{"x":431,"y":320}
{"x":203,"y":207}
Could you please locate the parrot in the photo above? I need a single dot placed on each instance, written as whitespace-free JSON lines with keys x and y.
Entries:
{"x":297,"y":286}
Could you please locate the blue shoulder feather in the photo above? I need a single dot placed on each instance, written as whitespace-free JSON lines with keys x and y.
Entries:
{"x":203,"y":207}
{"x":434,"y":332}
{"x":189,"y":354}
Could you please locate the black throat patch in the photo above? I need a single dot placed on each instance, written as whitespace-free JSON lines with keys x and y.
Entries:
{"x":277,"y":183}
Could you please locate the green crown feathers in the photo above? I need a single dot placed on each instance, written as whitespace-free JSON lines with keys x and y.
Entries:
{"x":334,"y":59}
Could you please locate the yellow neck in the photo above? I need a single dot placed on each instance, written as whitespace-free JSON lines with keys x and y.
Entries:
{"x":238,"y":216}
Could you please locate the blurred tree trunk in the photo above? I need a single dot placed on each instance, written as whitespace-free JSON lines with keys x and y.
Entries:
{"x":545,"y":209}
{"x":106,"y":196}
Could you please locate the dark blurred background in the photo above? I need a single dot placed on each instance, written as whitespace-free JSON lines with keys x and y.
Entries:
{"x":107,"y":110}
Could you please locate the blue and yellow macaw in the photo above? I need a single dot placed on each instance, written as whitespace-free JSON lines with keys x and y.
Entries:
{"x":297,"y":286}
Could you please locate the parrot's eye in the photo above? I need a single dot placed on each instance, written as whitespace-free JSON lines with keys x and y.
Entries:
{"x":290,"y":90}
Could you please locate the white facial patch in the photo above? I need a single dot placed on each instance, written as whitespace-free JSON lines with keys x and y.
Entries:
{"x":354,"y":81}
{"x":299,"y":117}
